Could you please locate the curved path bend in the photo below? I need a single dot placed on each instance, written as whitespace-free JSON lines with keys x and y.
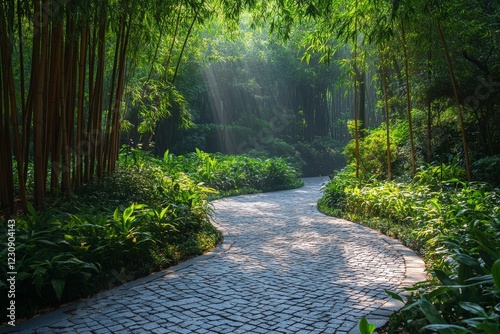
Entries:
{"x":283,"y":268}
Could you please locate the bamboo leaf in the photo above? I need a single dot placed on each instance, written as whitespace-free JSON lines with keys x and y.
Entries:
{"x":430,"y":312}
{"x":474,"y":309}
{"x":366,"y":327}
{"x":58,"y":285}
{"x":394,"y":295}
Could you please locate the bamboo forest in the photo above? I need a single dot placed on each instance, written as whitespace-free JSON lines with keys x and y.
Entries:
{"x":122,"y":121}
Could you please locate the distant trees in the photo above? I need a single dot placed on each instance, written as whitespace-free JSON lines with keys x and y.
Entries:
{"x":408,"y":26}
{"x":392,"y":46}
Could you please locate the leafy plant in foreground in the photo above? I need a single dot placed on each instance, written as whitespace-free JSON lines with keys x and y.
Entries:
{"x":366,"y":327}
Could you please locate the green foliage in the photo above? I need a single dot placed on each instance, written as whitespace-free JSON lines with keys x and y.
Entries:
{"x":235,"y":174}
{"x":373,"y":151}
{"x":486,"y":170}
{"x":464,"y":295}
{"x":321,"y":156}
{"x":454,"y":224}
{"x":442,"y":174}
{"x":49,"y":268}
{"x":366,"y":327}
{"x":334,"y":196}
{"x":277,"y":147}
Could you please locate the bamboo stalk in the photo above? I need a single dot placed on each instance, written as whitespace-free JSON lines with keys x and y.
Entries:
{"x":115,"y":129}
{"x":457,"y":101}
{"x":80,"y":114}
{"x":40,"y":41}
{"x":408,"y":101}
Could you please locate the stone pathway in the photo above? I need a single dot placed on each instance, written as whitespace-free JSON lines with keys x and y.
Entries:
{"x":283,"y":268}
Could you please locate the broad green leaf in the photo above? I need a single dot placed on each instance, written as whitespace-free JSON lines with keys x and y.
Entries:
{"x":474,"y":309}
{"x":31,"y":210}
{"x":128,"y":212}
{"x":470,"y":261}
{"x":445,"y":279}
{"x":39,"y":271}
{"x":394,"y":295}
{"x":485,"y":279}
{"x":446,"y":328}
{"x":485,"y":242}
{"x":116,"y":215}
{"x":366,"y":327}
{"x":435,"y":203}
{"x":489,"y":328}
{"x":464,"y":273}
{"x":47,"y":242}
{"x":58,"y":285}
{"x":430,"y":312}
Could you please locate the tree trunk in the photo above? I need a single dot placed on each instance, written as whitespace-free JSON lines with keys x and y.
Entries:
{"x":362,"y":101}
{"x":115,"y":129}
{"x":40,"y":46}
{"x":9,"y":100}
{"x":408,"y":101}
{"x":387,"y":123}
{"x":79,"y":121}
{"x":457,"y":101}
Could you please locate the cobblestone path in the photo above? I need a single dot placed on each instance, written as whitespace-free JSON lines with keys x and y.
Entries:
{"x":283,"y":268}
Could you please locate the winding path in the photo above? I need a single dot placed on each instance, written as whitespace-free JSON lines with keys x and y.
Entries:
{"x":283,"y":268}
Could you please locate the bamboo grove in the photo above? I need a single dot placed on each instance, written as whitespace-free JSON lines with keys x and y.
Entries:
{"x":425,"y":54}
{"x":65,"y":64}
{"x":77,"y":74}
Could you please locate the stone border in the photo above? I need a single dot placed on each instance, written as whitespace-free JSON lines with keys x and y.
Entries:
{"x":414,"y":273}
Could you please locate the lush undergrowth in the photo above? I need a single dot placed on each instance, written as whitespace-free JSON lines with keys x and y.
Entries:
{"x":455,"y":226}
{"x":235,"y":174}
{"x":148,"y":215}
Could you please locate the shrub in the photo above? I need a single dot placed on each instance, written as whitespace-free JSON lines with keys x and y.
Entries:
{"x":321,"y":156}
{"x":373,"y":152}
{"x":334,"y":196}
{"x":486,"y":170}
{"x":235,"y":174}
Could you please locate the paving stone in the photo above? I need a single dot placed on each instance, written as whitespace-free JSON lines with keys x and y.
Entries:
{"x":150,"y":326}
{"x":102,"y":331}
